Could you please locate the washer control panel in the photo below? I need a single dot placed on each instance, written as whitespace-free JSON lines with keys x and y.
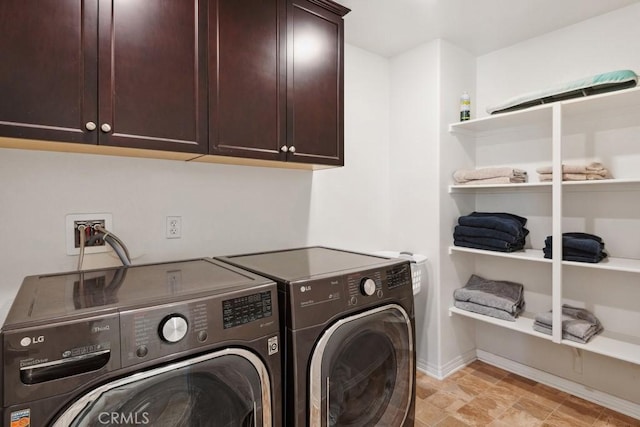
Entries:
{"x":153,"y":332}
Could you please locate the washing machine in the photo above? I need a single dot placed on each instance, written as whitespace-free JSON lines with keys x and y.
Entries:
{"x":349,"y":333}
{"x":191,"y":343}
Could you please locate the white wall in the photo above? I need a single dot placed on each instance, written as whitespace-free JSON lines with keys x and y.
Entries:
{"x":350,"y":205}
{"x":457,"y":71}
{"x":598,"y":45}
{"x":413,"y":149}
{"x":605,"y":43}
{"x":224,"y":209}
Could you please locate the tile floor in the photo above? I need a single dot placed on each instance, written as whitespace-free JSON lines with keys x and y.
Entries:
{"x":483,"y":395}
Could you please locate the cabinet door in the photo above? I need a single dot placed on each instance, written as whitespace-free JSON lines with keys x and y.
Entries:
{"x":315,"y":83}
{"x":48,"y":76}
{"x":247,"y":78}
{"x":152,"y":81}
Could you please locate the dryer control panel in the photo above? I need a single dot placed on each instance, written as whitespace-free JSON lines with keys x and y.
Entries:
{"x":315,"y":301}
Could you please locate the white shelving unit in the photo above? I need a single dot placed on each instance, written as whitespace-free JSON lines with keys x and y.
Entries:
{"x":524,"y":322}
{"x":572,"y":131}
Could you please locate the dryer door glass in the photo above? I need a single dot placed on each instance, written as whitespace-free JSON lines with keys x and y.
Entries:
{"x":220,"y":389}
{"x":362,"y":371}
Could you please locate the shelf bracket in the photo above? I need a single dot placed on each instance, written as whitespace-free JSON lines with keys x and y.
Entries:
{"x":577,"y":360}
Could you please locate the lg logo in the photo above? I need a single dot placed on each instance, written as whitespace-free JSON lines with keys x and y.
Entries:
{"x":27,"y":341}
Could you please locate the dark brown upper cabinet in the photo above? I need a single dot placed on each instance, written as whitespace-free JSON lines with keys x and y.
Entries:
{"x":238,"y":81}
{"x":109,"y":72}
{"x":276,"y":80}
{"x":247,"y":81}
{"x":315,"y":82}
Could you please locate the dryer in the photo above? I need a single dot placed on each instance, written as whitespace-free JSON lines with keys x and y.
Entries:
{"x":348,"y":331}
{"x":189,"y":343}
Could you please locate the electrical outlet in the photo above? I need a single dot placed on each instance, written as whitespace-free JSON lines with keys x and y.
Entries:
{"x":174,"y":227}
{"x":73,"y":221}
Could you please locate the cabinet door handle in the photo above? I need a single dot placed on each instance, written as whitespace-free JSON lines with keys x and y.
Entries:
{"x":284,"y":149}
{"x":105,"y":127}
{"x":90,"y":126}
{"x":292,"y":149}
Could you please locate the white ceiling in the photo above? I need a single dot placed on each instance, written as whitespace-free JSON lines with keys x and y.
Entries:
{"x":389,"y":27}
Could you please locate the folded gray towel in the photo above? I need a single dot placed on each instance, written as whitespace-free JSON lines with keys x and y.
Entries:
{"x":487,"y":311}
{"x":578,"y":324}
{"x":500,"y":294}
{"x":545,"y":329}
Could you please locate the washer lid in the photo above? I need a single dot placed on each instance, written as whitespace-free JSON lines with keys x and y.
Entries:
{"x":97,"y":292}
{"x":302,"y":263}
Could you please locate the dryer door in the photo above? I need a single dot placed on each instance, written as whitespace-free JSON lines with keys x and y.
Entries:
{"x":362,"y":371}
{"x":226,"y":388}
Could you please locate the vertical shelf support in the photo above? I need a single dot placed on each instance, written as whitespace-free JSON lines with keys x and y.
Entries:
{"x":556,"y":224}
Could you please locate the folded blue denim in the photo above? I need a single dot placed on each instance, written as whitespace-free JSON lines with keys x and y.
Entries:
{"x":506,"y":225}
{"x":485,"y":247}
{"x":491,"y":243}
{"x":581,"y":235}
{"x":505,"y":215}
{"x":583,"y":244}
{"x":578,"y":247}
{"x":593,"y":259}
{"x":466,"y":231}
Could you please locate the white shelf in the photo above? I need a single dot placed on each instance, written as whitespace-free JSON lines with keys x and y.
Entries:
{"x":535,"y":255}
{"x":591,"y":185}
{"x":609,"y":344}
{"x":541,"y":115}
{"x":615,"y":264}
{"x":467,"y":188}
{"x":523,"y":323}
{"x":614,"y":345}
{"x":605,"y":102}
{"x":534,"y":116}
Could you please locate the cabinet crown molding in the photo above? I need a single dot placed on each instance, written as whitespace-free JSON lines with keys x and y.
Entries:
{"x":332,"y":6}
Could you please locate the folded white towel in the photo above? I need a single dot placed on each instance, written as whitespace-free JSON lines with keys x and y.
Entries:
{"x":463,"y":176}
{"x":594,"y":168}
{"x":573,"y":177}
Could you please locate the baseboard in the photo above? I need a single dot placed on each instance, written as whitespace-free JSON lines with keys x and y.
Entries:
{"x":608,"y":401}
{"x":441,"y":372}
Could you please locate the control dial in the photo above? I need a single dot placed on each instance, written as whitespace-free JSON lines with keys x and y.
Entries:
{"x":173,"y":328}
{"x":367,"y":286}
